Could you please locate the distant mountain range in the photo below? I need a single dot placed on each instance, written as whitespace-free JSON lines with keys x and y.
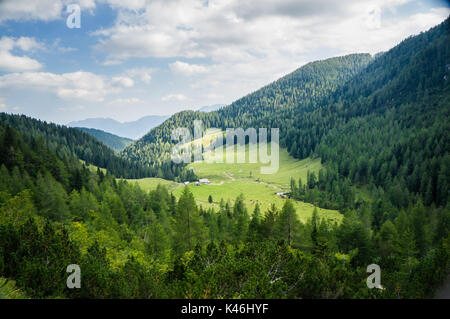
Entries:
{"x":117,"y":143}
{"x":211,"y":108}
{"x":133,"y":130}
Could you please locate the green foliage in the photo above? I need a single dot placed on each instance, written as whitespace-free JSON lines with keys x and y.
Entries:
{"x":65,"y":142}
{"x":189,"y":229}
{"x":8,"y":290}
{"x":287,"y":225}
{"x":117,"y":143}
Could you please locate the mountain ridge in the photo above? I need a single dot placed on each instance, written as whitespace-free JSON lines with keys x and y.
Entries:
{"x":117,"y":143}
{"x":132,"y":129}
{"x":73,"y":143}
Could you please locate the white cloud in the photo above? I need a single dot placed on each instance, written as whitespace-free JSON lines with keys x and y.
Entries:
{"x":28,"y":44}
{"x":74,"y":108}
{"x":144,"y":41}
{"x":357,"y":35}
{"x":45,"y":10}
{"x":143,"y":74}
{"x":14,"y":63}
{"x":146,"y":78}
{"x":174,"y":97}
{"x":250,"y":43}
{"x":76,"y":85}
{"x":129,"y":4}
{"x":132,"y":100}
{"x":11,"y":63}
{"x":187,"y":69}
{"x":213,"y":96}
{"x":30,"y":10}
{"x":195,"y":28}
{"x":56,"y":46}
{"x":4,"y":107}
{"x":112,"y":62}
{"x":123,"y":81}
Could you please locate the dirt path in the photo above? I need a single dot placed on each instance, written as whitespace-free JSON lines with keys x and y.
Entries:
{"x":229,"y":176}
{"x":270,"y":185}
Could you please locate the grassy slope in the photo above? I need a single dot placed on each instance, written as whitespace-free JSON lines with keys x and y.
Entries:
{"x":229,"y":180}
{"x":151,"y":183}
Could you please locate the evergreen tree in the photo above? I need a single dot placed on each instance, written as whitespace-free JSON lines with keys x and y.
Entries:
{"x":287,"y":222}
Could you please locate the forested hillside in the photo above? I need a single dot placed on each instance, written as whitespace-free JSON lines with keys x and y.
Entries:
{"x":304,"y":88}
{"x":115,"y":142}
{"x":129,"y":244}
{"x":381,"y":121}
{"x":73,"y":143}
{"x":388,"y":127}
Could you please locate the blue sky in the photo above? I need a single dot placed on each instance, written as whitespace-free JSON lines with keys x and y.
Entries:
{"x":135,"y":58}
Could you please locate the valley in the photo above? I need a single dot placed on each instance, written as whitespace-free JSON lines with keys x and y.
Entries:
{"x":229,"y":180}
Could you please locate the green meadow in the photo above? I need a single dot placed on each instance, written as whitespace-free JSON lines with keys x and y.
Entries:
{"x":151,"y":183}
{"x":229,"y":180}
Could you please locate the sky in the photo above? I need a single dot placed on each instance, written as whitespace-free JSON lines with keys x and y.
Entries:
{"x":130,"y":59}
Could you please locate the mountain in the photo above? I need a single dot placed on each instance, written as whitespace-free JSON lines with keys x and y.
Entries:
{"x":211,"y":108}
{"x":74,"y":144}
{"x":117,"y":143}
{"x":303,"y":88}
{"x":132,"y":130}
{"x":378,"y":121}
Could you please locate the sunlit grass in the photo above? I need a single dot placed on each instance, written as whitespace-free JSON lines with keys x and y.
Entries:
{"x":229,"y":180}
